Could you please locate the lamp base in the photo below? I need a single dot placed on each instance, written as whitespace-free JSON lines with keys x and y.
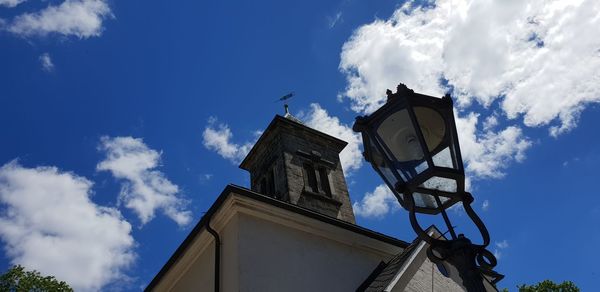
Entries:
{"x":472,"y":262}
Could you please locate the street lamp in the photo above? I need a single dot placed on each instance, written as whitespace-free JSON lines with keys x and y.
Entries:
{"x":412,"y":143}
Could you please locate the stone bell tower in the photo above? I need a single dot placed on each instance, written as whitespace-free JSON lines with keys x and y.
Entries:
{"x":300,"y":165}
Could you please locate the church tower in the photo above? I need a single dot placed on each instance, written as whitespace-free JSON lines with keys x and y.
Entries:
{"x":300,"y":165}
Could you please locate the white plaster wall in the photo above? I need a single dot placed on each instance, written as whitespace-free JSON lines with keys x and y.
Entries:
{"x":200,"y":274}
{"x":269,"y":255}
{"x":273,"y":257}
{"x":230,"y":256}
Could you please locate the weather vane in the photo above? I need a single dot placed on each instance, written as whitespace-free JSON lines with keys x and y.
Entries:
{"x":284,"y":99}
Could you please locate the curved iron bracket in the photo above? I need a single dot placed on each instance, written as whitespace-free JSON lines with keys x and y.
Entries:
{"x":472,"y":261}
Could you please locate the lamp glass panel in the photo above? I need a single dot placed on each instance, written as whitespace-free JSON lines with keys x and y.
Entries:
{"x":389,"y":177}
{"x":443,"y":159}
{"x":455,"y":148}
{"x":421,"y":167}
{"x":427,"y":201}
{"x":399,"y":139}
{"x":440,"y":184}
{"x":398,"y":133}
{"x":456,"y":154}
{"x":424,"y":201}
{"x":444,"y":199}
{"x":432,"y":126}
{"x":378,"y":161}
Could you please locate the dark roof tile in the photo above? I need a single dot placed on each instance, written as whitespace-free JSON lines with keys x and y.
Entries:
{"x":384,"y":274}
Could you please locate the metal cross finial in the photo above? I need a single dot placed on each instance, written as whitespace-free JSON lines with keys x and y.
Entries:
{"x":284,"y":98}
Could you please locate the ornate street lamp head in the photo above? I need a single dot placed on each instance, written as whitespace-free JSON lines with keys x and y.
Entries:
{"x":411,"y":142}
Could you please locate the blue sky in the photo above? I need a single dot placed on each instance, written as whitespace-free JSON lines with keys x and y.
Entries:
{"x":123,"y":120}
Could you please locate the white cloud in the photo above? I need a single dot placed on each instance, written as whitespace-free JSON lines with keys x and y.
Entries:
{"x":218,"y":138}
{"x":497,"y":254}
{"x":11,"y":3}
{"x":571,"y":161}
{"x":335,"y":20}
{"x":500,"y":246}
{"x":46,"y":62}
{"x":380,"y":54}
{"x":377,"y":203}
{"x":485,"y":205}
{"x":540,"y":59}
{"x":486,"y":52}
{"x":487,"y":153}
{"x":351,"y":157}
{"x":80,"y":18}
{"x":490,"y":123}
{"x":144,"y":189}
{"x":205,"y":178}
{"x":419,"y":47}
{"x":48,"y":223}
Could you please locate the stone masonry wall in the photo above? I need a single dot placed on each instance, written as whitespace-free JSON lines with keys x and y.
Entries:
{"x":428,"y":278}
{"x":339,"y":205}
{"x":278,"y":150}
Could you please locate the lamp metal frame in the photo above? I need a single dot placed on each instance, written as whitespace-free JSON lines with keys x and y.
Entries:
{"x":473,"y":261}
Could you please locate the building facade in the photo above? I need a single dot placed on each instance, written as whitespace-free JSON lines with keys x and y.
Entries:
{"x":294,"y":230}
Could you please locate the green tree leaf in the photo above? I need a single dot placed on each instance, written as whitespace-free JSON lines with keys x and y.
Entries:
{"x":549,"y":286}
{"x":17,"y":279}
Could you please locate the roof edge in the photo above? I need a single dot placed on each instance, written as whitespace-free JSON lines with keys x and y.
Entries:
{"x":277,"y":119}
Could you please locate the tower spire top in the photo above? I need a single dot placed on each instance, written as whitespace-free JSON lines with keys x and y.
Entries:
{"x":289,"y":116}
{"x":286,"y":107}
{"x":297,"y":164}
